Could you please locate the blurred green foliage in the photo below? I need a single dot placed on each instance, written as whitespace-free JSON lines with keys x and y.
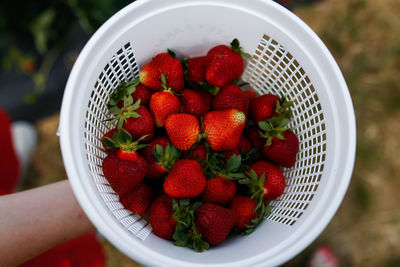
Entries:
{"x":43,"y":24}
{"x":33,"y":33}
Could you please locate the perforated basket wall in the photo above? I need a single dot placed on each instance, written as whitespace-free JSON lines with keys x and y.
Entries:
{"x":287,"y":59}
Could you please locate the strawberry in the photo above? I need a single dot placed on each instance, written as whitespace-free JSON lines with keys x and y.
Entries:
{"x":249,"y":212}
{"x":139,"y":199}
{"x":244,"y":145}
{"x":140,"y":92}
{"x":130,"y":115}
{"x":163,"y":63}
{"x":251,"y":94}
{"x":196,"y":69}
{"x":224,"y":64}
{"x":266,"y":181}
{"x":263,"y":107}
{"x":161,"y":156}
{"x":245,"y":210}
{"x":223,"y":128}
{"x":214,"y":222}
{"x":138,"y":122}
{"x":283,"y":151}
{"x":186,"y":179}
{"x":194,"y":102}
{"x":126,"y":168}
{"x":199,"y":153}
{"x":281,"y":144}
{"x":143,"y":93}
{"x":160,"y":217}
{"x":231,"y":96}
{"x":183,"y":130}
{"x":267,"y":106}
{"x":253,"y":134}
{"x":219,"y":190}
{"x":163,"y":104}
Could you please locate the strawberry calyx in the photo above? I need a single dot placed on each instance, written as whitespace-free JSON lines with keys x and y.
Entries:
{"x":257,"y":191}
{"x":275,"y":126}
{"x":232,"y":167}
{"x":122,"y":92}
{"x":235,"y":47}
{"x":166,"y":157}
{"x":186,"y":234}
{"x":171,"y":52}
{"x":263,"y":212}
{"x":211,"y":89}
{"x":123,"y":140}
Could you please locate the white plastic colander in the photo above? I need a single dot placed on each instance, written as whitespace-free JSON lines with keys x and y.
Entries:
{"x":287,"y":59}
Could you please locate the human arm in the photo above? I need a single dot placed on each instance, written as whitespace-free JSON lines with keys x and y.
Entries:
{"x":33,"y":221}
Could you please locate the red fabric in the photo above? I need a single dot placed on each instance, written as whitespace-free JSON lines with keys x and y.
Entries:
{"x":84,"y":251}
{"x":9,"y":163}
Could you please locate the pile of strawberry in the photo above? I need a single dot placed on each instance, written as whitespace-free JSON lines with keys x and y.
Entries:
{"x":201,"y":155}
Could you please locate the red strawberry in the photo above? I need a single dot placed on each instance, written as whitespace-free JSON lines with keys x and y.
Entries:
{"x":163,"y":63}
{"x":196,"y":70}
{"x":143,"y":93}
{"x":214,"y":222}
{"x":125,"y":169}
{"x":138,"y":122}
{"x":283,"y":151}
{"x":231,"y":96}
{"x":253,"y":133}
{"x":251,"y":94}
{"x":124,"y":175}
{"x":223,"y":128}
{"x":162,"y":158}
{"x":264,"y":107}
{"x":219,"y":190}
{"x":244,"y":145}
{"x":199,"y":152}
{"x":194,"y":103}
{"x":244,"y":208}
{"x":183,"y":130}
{"x":163,"y":104}
{"x":139,"y":199}
{"x":186,"y":179}
{"x":274,"y":181}
{"x":224,"y":64}
{"x":150,"y":76}
{"x":140,"y":92}
{"x":160,"y":217}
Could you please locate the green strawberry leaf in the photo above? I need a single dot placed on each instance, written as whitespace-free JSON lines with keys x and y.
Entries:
{"x":132,"y":115}
{"x":263,"y":212}
{"x":108,"y":142}
{"x":163,"y":80}
{"x":235,"y":45}
{"x":120,"y":123}
{"x":166,"y":156}
{"x":135,"y":106}
{"x":114,"y":110}
{"x":128,"y":101}
{"x":124,"y":137}
{"x":172,"y":53}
